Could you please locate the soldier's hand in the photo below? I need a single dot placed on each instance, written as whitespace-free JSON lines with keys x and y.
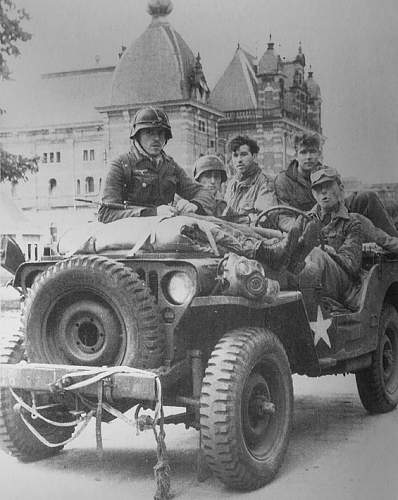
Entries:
{"x":185,"y":207}
{"x":329,"y":249}
{"x":165,"y":210}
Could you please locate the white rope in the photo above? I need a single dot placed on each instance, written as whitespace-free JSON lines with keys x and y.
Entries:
{"x":99,"y":374}
{"x":95,"y":375}
{"x":35,"y":414}
{"x":43,"y":440}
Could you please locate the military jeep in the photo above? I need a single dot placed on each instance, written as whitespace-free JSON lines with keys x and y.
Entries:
{"x":227,"y":361}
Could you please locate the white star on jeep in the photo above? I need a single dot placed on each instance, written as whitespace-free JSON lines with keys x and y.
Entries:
{"x":320,"y":328}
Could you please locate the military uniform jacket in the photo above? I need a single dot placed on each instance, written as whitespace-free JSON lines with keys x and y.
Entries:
{"x":144,"y":184}
{"x":293,"y":190}
{"x":343,"y":232}
{"x":251,"y":194}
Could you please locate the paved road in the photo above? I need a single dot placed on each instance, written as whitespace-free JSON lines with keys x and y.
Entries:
{"x":336,"y":451}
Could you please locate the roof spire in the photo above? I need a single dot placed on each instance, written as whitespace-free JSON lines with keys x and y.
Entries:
{"x":300,"y":58}
{"x":270,"y":43}
{"x":159,"y":8}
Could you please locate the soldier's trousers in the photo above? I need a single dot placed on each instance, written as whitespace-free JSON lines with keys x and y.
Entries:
{"x":373,"y":234}
{"x":322,"y":271}
{"x":370,"y":205}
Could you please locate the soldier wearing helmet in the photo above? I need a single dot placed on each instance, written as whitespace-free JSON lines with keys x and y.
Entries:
{"x":145,"y":179}
{"x":210,"y":171}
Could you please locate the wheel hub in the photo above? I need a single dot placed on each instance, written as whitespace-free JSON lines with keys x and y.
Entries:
{"x":87,"y":332}
{"x":257,"y":408}
{"x":388,"y":358}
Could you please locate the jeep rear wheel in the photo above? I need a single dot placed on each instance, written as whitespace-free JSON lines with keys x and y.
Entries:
{"x":15,"y":437}
{"x":378,"y":384}
{"x":246,"y":408}
{"x":92,"y":311}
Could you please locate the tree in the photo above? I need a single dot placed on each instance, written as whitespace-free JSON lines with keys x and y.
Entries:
{"x":12,"y":167}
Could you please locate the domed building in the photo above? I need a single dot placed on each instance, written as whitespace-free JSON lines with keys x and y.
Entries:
{"x":159,"y":68}
{"x":76,"y":122}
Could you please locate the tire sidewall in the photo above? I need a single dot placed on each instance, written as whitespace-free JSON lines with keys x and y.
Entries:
{"x":275,"y":359}
{"x":388,"y":320}
{"x":74,"y":278}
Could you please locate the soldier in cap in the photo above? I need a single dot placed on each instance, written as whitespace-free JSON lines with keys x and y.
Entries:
{"x":293,"y":188}
{"x":336,"y":266}
{"x":210,"y":171}
{"x":145,"y":179}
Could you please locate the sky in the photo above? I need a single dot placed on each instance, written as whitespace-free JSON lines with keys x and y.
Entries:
{"x":352,"y":46}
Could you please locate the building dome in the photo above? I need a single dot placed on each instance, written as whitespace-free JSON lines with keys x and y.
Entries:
{"x":300,"y":58}
{"x":269,"y":63}
{"x":313,"y":88}
{"x":157,"y":66}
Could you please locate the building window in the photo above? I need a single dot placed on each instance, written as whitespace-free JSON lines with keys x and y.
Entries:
{"x":58,"y":155}
{"x":99,"y":184}
{"x":51,"y":157}
{"x":85,"y":155}
{"x":45,"y":158}
{"x":91,"y":154}
{"x":89,"y":185}
{"x":78,"y":186}
{"x":202,"y":126}
{"x":212,"y":143}
{"x":52,"y":184}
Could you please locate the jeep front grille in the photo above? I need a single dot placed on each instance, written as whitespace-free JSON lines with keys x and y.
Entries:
{"x":151,"y":279}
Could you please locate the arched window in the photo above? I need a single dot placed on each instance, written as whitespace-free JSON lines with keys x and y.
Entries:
{"x":99,"y":184}
{"x":89,"y":185}
{"x":78,"y":186}
{"x":52,"y":184}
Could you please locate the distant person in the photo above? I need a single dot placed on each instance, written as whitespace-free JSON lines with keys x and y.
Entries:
{"x":145,"y":179}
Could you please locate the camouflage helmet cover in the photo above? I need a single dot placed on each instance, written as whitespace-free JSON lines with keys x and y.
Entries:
{"x":208,"y":163}
{"x":150,"y":117}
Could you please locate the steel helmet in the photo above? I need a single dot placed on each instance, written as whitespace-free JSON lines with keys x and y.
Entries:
{"x":150,"y":117}
{"x":207,"y":163}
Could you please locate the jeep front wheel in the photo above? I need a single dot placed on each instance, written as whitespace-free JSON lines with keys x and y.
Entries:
{"x":246,"y":408}
{"x":378,"y":384}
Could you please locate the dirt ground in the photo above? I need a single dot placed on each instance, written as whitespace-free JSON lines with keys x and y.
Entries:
{"x":336,"y":451}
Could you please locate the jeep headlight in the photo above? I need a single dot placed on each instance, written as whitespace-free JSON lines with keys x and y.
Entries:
{"x":179,"y":287}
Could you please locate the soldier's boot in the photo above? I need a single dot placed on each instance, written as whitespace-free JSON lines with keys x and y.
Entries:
{"x":277,"y":255}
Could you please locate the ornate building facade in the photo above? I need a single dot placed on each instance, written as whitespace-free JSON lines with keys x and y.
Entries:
{"x":270,"y":100}
{"x":77,"y":121}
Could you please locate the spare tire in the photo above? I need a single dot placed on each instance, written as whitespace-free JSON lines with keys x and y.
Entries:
{"x":92,"y":311}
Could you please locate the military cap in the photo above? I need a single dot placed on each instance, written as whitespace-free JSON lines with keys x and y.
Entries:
{"x":324,"y":174}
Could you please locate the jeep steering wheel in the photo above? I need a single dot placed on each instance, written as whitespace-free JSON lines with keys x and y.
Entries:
{"x":264,"y":215}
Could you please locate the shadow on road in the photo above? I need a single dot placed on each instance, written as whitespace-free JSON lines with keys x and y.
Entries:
{"x":321,"y":423}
